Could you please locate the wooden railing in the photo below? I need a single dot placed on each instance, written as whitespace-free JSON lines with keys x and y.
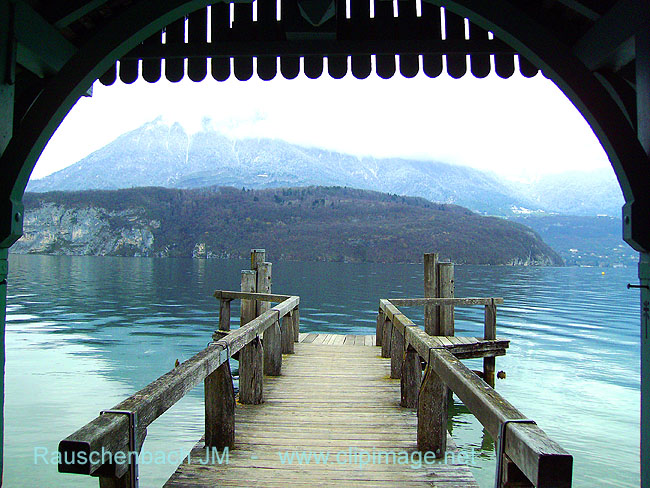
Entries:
{"x":106,"y":446}
{"x":530,"y":457}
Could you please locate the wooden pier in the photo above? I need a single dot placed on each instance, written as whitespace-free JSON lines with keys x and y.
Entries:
{"x":334,"y":398}
{"x":326,"y":409}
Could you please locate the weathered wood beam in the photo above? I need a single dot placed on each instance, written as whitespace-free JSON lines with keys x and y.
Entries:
{"x":224,"y":314}
{"x":287,"y":334}
{"x":446,"y":289}
{"x":490,"y":333}
{"x":220,"y":408}
{"x":541,"y":459}
{"x":42,"y":49}
{"x":458,"y":302}
{"x":396,"y":353}
{"x":432,"y":414}
{"x":110,"y":431}
{"x":431,"y":311}
{"x":411,"y":378}
{"x":239,"y":295}
{"x":610,"y":41}
{"x":307,"y":47}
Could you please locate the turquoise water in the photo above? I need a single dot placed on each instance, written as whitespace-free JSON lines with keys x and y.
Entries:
{"x":83,"y":333}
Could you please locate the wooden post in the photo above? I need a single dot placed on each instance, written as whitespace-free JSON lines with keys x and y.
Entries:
{"x":379,"y":334}
{"x":432,"y":414}
{"x":490,"y":333}
{"x":251,"y":372}
{"x":273,"y":350}
{"x":431,"y":312}
{"x":512,"y":477}
{"x":287,"y":334}
{"x":248,"y":285}
{"x":263,"y":285}
{"x":251,"y":364}
{"x":446,"y":290}
{"x":296,"y":324}
{"x":385,"y":343}
{"x":224,"y":314}
{"x":396,"y":354}
{"x":123,"y":482}
{"x":272,"y":338}
{"x":257,"y":256}
{"x":220,"y":408}
{"x":411,"y":378}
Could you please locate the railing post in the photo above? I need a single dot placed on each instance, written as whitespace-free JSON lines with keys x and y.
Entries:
{"x":220,"y":408}
{"x":296,"y":324}
{"x":431,"y":312}
{"x":432,"y":413}
{"x":446,"y":290}
{"x":490,"y":333}
{"x":251,"y":360}
{"x":122,"y":482}
{"x":396,"y":353}
{"x":263,"y":286}
{"x":287,"y":334}
{"x":273,"y":350}
{"x":512,"y":477}
{"x":379,"y":335}
{"x":411,"y":378}
{"x":387,"y":333}
{"x":271,"y":338}
{"x":224,"y":314}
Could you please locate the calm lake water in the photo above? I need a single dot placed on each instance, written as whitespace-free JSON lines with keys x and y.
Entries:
{"x":84,"y":333}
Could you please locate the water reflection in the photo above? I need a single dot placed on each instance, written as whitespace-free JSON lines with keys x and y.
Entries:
{"x":83,"y":333}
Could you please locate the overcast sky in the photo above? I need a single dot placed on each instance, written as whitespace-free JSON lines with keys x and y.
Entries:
{"x":521,"y":128}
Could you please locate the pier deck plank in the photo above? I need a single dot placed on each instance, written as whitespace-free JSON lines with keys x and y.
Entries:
{"x":331,"y":397}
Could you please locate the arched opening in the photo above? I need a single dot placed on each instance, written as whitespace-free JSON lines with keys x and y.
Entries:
{"x":591,"y":98}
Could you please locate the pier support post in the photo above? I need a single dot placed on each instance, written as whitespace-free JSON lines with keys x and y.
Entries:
{"x":490,"y":333}
{"x":432,"y":414}
{"x":220,"y":408}
{"x":273,"y":350}
{"x":379,"y":334}
{"x":224,"y":314}
{"x":411,"y":378}
{"x":251,"y":362}
{"x":251,"y":372}
{"x":446,"y":290}
{"x":287,"y":334}
{"x":431,"y":312}
{"x":386,"y":337}
{"x":295,"y":315}
{"x":271,"y":338}
{"x":396,"y":354}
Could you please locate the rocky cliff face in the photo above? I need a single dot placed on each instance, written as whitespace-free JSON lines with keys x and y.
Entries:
{"x":58,"y":229}
{"x":302,"y":224}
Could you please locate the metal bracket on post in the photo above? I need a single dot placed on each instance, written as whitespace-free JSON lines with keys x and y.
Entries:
{"x":133,"y":466}
{"x":501,"y":446}
{"x":222,"y":358}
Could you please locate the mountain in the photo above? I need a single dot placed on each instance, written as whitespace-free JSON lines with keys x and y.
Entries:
{"x":583,"y":240}
{"x":157,"y":154}
{"x":313,"y":223}
{"x":583,"y":193}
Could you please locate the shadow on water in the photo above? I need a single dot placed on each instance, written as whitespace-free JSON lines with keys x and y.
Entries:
{"x":84,"y":333}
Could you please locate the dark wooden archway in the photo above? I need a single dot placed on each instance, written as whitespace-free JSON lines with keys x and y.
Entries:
{"x":597,"y":52}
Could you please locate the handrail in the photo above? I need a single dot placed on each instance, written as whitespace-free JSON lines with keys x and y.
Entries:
{"x":538,"y":457}
{"x":110,"y":433}
{"x":240,"y":295}
{"x":414,"y":302}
